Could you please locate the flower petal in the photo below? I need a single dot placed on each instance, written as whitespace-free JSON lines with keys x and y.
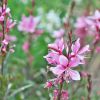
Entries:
{"x":74,"y":62}
{"x":63,"y":60}
{"x":58,"y":70}
{"x":84,"y":49}
{"x":76,"y":46}
{"x":74,"y":74}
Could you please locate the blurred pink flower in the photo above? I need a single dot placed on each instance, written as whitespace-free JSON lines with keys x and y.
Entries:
{"x":84,"y":26}
{"x":98,"y":49}
{"x":39,"y":31}
{"x":94,"y":21}
{"x":58,"y":33}
{"x":81,"y":27}
{"x":1,"y":34}
{"x":84,"y":74}
{"x":25,"y":46}
{"x":28,"y":24}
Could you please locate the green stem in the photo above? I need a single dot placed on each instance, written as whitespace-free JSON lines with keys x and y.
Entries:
{"x":59,"y":95}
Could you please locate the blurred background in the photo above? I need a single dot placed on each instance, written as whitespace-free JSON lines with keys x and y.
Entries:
{"x":25,"y":72}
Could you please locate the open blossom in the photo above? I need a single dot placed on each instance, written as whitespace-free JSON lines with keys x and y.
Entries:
{"x":28,"y":24}
{"x":65,"y":63}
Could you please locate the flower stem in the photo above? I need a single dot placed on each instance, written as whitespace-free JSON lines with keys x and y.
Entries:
{"x":59,"y":95}
{"x":89,"y":87}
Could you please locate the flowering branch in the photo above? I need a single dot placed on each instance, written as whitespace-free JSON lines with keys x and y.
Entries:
{"x":6,"y":24}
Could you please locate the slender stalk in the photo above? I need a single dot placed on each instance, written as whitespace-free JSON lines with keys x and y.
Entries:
{"x":4,"y":4}
{"x":59,"y":95}
{"x":3,"y":31}
{"x":89,"y":87}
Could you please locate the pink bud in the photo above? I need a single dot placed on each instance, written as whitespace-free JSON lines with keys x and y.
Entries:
{"x":48,"y":85}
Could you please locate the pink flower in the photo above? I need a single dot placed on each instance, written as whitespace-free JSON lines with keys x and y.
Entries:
{"x":81,"y":27}
{"x":28,"y":24}
{"x":95,"y":20}
{"x":84,"y":26}
{"x":64,"y":67}
{"x":64,"y":63}
{"x":58,"y":33}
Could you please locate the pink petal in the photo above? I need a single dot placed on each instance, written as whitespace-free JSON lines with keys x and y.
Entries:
{"x":52,"y":46}
{"x":58,"y":33}
{"x":84,"y":49}
{"x":52,"y":58}
{"x":97,"y":49}
{"x":74,"y":74}
{"x":60,"y":44}
{"x":58,"y":70}
{"x":74,"y":62}
{"x":63,"y":60}
{"x":76,"y":46}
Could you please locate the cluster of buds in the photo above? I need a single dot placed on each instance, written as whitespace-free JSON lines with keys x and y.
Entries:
{"x":64,"y":94}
